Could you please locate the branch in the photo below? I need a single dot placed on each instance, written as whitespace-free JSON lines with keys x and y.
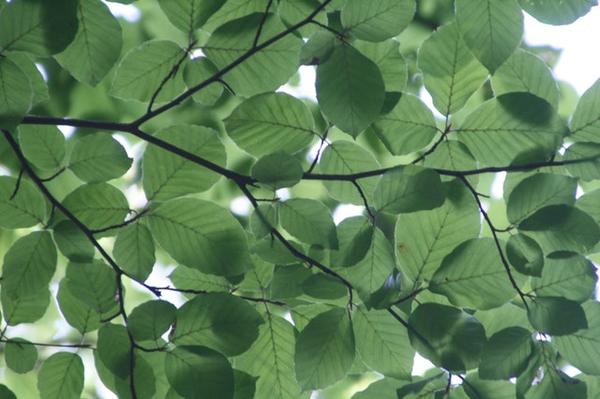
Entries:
{"x":261,"y":24}
{"x":50,"y":345}
{"x":363,"y":196}
{"x":316,"y":160}
{"x":488,"y":220}
{"x":119,"y":225}
{"x":201,"y":292}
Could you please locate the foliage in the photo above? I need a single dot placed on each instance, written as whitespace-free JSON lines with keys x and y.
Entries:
{"x":176,"y":119}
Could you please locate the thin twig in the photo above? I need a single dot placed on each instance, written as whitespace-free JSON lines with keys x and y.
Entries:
{"x":364,"y":200}
{"x":261,"y":24}
{"x":53,"y":176}
{"x":316,"y":160}
{"x":123,"y":224}
{"x":50,"y":345}
{"x":201,"y":292}
{"x":17,"y":185}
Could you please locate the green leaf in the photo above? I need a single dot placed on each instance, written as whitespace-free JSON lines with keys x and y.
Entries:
{"x":506,"y":354}
{"x":294,"y":11}
{"x":277,"y":170}
{"x":325,"y":287}
{"x":257,"y":226}
{"x":43,"y":146}
{"x":150,"y":320}
{"x":15,"y":92}
{"x":271,"y":358}
{"x":98,"y":205}
{"x":513,"y":124}
{"x":189,"y":15}
{"x":72,"y":242}
{"x":381,"y":344}
{"x":409,"y":189}
{"x":452,"y":155}
{"x":233,"y":9}
{"x":61,"y":377}
{"x":384,"y":388}
{"x":272,"y":121}
{"x":219,"y":321}
{"x":583,"y":347}
{"x":525,"y":254}
{"x":233,"y":39}
{"x":589,"y":170}
{"x":346,"y":157}
{"x":167,"y":175}
{"x":38,"y":27}
{"x":288,"y":281}
{"x":76,"y":312}
{"x":524,"y":72}
{"x":26,"y":209}
{"x":134,"y":251}
{"x":566,"y":275}
{"x":355,"y":235}
{"x":556,"y":316}
{"x":20,"y":355}
{"x":473,"y":275}
{"x":377,"y":20}
{"x":451,"y":73}
{"x":562,"y":228}
{"x":29,"y":264}
{"x":585,"y":123}
{"x":38,"y":85}
{"x":197,"y":372}
{"x":537,"y":191}
{"x":476,"y":388}
{"x":309,"y":221}
{"x":98,"y":157}
{"x":492,"y":29}
{"x":192,"y":279}
{"x":423,"y":239}
{"x":182,"y":227}
{"x":389,"y":60}
{"x":93,"y":283}
{"x":6,"y":393}
{"x":557,"y":12}
{"x":350,"y":89}
{"x":196,"y":72}
{"x":24,"y":308}
{"x":447,"y":336}
{"x":114,"y":348}
{"x":143,"y":378}
{"x":245,"y":385}
{"x":408,"y":127}
{"x":143,"y":69}
{"x":557,"y":385}
{"x":324,"y":350}
{"x":590,"y":204}
{"x":97,"y":44}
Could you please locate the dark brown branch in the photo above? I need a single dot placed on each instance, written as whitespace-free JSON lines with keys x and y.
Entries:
{"x":53,"y":176}
{"x":316,"y":160}
{"x":363,"y":196}
{"x":119,"y":225}
{"x":201,"y":292}
{"x":261,"y":24}
{"x":50,"y":345}
{"x":433,"y":147}
{"x":17,"y":185}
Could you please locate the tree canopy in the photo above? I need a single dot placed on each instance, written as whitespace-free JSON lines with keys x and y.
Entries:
{"x":171,"y":207}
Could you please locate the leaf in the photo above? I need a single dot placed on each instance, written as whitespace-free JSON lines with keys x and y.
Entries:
{"x":557,"y":12}
{"x":350,"y":89}
{"x":381,"y":344}
{"x":589,"y":170}
{"x":99,"y":157}
{"x":346,"y":157}
{"x":143,"y":69}
{"x":582,"y":347}
{"x":524,"y":72}
{"x":566,"y":275}
{"x":29,"y":264}
{"x":61,"y":377}
{"x":423,"y":239}
{"x":257,"y":226}
{"x":143,"y":378}
{"x":189,"y":15}
{"x":98,"y":206}
{"x":446,"y":336}
{"x":557,"y":385}
{"x":150,"y":320}
{"x":38,"y":85}
{"x":384,"y":388}
{"x":97,"y":44}
{"x":192,"y":279}
{"x":233,"y":9}
{"x":325,"y":287}
{"x":197,"y":71}
{"x":500,"y":129}
{"x":506,"y":354}
{"x":269,"y":122}
{"x":76,"y":312}
{"x":525,"y":255}
{"x":167,"y":175}
{"x":389,"y":60}
{"x":72,"y":242}
{"x":43,"y":146}
{"x":271,"y":358}
{"x":473,"y":275}
{"x":556,"y":316}
{"x":197,"y":372}
{"x":492,"y":29}
{"x":538,"y":191}
{"x":6,"y":393}
{"x":93,"y":283}
{"x":26,"y":209}
{"x":451,"y":73}
{"x":134,"y":251}
{"x":309,"y":221}
{"x":377,"y":20}
{"x":408,"y":127}
{"x":219,"y":321}
{"x":585,"y":123}
{"x":38,"y":27}
{"x":294,"y":11}
{"x":114,"y":348}
{"x":234,"y":38}
{"x":20,"y":355}
{"x":202,"y":235}
{"x":452,"y":155}
{"x":409,"y":189}
{"x":15,"y":92}
{"x":324,"y":350}
{"x":245,"y":385}
{"x":277,"y":170}
{"x":21,"y":308}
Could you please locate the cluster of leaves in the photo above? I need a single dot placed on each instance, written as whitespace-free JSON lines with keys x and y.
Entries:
{"x":283,"y":301}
